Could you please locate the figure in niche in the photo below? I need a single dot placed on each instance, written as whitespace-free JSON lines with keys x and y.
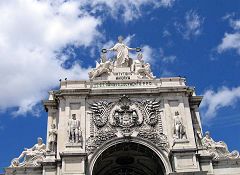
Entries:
{"x":179,"y":129}
{"x":52,"y":141}
{"x":31,"y":155}
{"x":122,"y":59}
{"x":74,"y":131}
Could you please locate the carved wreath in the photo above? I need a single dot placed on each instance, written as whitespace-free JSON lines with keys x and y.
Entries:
{"x":100,"y":112}
{"x":117,"y":111}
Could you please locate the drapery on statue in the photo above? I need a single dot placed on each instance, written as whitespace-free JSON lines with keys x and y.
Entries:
{"x":31,"y":156}
{"x":122,"y":59}
{"x":217,"y":149}
{"x":52,"y":140}
{"x":105,"y":66}
{"x":141,"y":68}
{"x":179,"y":129}
{"x":74,"y":131}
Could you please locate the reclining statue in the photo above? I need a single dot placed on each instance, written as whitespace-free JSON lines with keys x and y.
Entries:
{"x":104,"y":66}
{"x":31,"y":156}
{"x":141,"y":68}
{"x":217,"y":149}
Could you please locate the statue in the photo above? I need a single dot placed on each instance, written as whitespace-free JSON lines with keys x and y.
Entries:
{"x":32,"y":156}
{"x":105,"y":66}
{"x":208,"y":142}
{"x":141,"y":68}
{"x":122,"y":59}
{"x":52,"y":140}
{"x":217,"y":149}
{"x":74,"y":131}
{"x":179,"y":129}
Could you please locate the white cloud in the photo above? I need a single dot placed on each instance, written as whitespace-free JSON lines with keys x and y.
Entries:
{"x":230,"y":41}
{"x":213,"y":101}
{"x":192,"y":26}
{"x":166,"y":58}
{"x":129,"y":9}
{"x":166,"y":73}
{"x":235,"y":24}
{"x":33,"y":34}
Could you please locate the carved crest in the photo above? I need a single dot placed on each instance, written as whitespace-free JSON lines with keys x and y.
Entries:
{"x":100,"y":112}
{"x":125,"y":114}
{"x":126,"y":117}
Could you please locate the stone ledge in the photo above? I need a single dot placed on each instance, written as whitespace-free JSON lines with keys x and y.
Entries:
{"x":180,"y":150}
{"x":189,"y":173}
{"x":71,"y":153}
{"x":23,"y":170}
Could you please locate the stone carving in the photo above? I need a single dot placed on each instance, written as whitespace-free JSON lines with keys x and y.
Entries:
{"x":105,"y":66}
{"x":155,"y":137}
{"x":151,"y":111}
{"x":122,"y":59}
{"x":110,"y":67}
{"x":74,"y":131}
{"x":125,"y":114}
{"x":219,"y":149}
{"x":126,"y":118}
{"x":179,"y":129}
{"x":52,"y":140}
{"x":102,"y":136}
{"x":141,"y":68}
{"x":100,"y":112}
{"x":32,"y":156}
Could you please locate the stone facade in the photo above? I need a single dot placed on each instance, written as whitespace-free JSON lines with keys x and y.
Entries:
{"x":124,"y":121}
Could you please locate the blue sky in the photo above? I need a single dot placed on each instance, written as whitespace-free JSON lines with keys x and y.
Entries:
{"x":43,"y":41}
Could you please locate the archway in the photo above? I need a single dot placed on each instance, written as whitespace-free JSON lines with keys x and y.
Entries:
{"x":128,"y":158}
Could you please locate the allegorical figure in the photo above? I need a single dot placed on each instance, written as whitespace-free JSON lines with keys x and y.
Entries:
{"x":74,"y":131}
{"x":31,"y":155}
{"x":39,"y":148}
{"x":218,"y":149}
{"x":179,"y":130}
{"x":208,"y":142}
{"x":122,"y":59}
{"x":142,"y":68}
{"x":52,"y":140}
{"x":105,"y":66}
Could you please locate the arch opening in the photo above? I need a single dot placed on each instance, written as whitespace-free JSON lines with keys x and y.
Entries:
{"x":128,"y":158}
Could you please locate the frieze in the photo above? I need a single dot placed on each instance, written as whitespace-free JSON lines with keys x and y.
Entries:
{"x":123,"y":84}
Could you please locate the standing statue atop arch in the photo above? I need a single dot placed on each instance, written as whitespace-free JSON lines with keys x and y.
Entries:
{"x":122,"y":59}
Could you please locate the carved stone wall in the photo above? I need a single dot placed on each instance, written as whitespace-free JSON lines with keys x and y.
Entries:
{"x":126,"y":117}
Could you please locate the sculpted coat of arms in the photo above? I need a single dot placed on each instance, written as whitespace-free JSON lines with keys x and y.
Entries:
{"x":126,"y":117}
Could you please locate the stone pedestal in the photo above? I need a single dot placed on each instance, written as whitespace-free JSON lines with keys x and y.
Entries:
{"x":74,"y":163}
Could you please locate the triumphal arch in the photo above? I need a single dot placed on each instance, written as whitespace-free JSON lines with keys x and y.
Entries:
{"x":125,"y":121}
